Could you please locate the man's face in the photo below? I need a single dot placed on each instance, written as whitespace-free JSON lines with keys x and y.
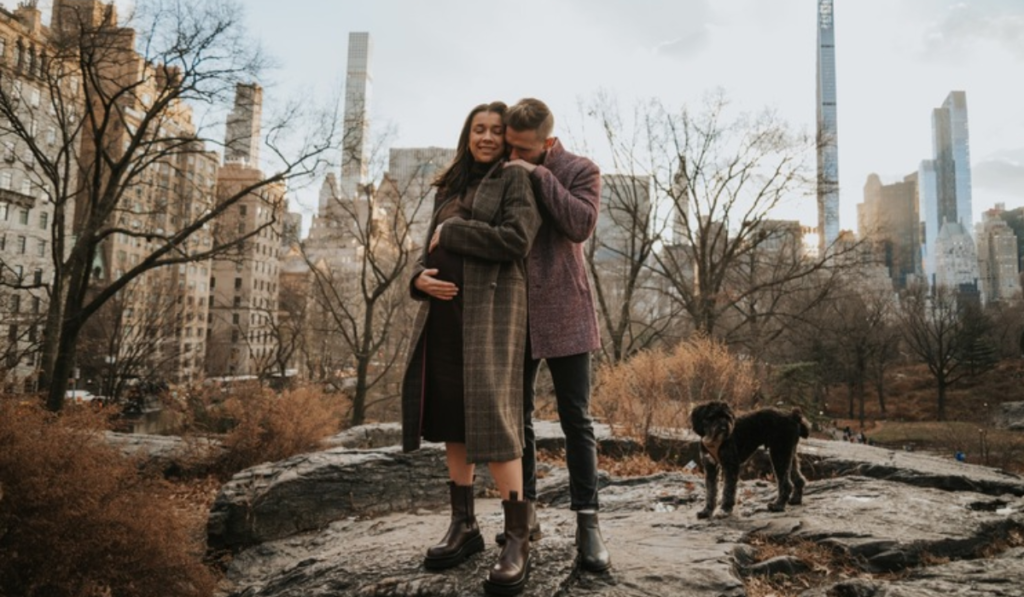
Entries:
{"x":526,"y":145}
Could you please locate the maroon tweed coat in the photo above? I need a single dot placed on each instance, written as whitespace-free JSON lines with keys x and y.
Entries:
{"x":494,"y":244}
{"x":563,"y":321}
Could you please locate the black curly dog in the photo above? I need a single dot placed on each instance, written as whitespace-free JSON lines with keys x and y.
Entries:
{"x":727,"y":442}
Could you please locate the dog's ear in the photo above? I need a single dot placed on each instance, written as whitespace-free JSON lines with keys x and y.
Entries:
{"x":697,"y":419}
{"x":727,"y":413}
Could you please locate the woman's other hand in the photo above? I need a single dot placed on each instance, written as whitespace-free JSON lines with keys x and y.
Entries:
{"x":435,"y":239}
{"x":439,"y":289}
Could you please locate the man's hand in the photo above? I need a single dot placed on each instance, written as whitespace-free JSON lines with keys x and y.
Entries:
{"x":439,"y":289}
{"x":521,"y":164}
{"x":435,"y":239}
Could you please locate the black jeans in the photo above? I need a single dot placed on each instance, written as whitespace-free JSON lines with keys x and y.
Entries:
{"x":571,"y":376}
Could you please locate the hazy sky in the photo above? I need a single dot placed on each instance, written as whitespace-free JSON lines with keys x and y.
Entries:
{"x":896,"y":61}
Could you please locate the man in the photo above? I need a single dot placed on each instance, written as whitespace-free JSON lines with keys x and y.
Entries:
{"x":562,"y":322}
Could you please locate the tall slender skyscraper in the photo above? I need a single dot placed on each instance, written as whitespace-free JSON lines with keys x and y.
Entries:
{"x":828,"y":130}
{"x":357,"y":124}
{"x":950,"y":202}
{"x":953,"y":160}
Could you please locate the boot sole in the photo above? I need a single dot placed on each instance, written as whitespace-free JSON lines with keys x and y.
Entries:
{"x":595,"y":569}
{"x":508,"y":590}
{"x":474,"y":545}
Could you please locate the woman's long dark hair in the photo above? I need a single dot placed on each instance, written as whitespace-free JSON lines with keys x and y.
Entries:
{"x":455,"y":177}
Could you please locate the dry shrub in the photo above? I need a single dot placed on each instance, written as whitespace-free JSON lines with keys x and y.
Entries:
{"x":658,"y":389}
{"x":77,"y":518}
{"x":268,"y":426}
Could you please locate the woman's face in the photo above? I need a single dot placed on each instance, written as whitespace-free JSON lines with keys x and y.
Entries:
{"x":486,"y":137}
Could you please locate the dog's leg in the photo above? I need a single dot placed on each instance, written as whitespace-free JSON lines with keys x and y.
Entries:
{"x":710,"y":488}
{"x":731,"y":472}
{"x":797,"y":477}
{"x":782,"y":457}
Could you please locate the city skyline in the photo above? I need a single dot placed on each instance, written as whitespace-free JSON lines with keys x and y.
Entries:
{"x":893,"y":60}
{"x":432,"y":62}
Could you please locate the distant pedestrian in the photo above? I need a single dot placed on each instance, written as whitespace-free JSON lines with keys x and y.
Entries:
{"x":960,"y":456}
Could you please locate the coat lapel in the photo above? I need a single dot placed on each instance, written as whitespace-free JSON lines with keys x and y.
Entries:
{"x":488,"y":199}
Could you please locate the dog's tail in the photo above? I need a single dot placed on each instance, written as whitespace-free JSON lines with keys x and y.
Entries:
{"x":805,"y":428}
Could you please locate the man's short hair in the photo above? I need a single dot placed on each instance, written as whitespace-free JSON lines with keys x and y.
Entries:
{"x":531,"y":114}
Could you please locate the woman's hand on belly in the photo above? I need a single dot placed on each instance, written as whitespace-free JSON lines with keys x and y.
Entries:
{"x":439,"y":289}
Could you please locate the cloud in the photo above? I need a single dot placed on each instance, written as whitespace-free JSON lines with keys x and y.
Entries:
{"x":965,"y":24}
{"x":1003,"y":173}
{"x":678,"y":29}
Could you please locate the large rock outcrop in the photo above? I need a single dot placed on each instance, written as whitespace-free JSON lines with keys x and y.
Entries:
{"x":351,"y":521}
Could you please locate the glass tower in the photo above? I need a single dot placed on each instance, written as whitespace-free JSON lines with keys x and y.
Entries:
{"x":828,"y":130}
{"x":357,"y":122}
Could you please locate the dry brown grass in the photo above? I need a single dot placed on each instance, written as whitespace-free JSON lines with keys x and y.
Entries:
{"x":254,"y":424}
{"x":825,"y":565}
{"x":911,"y":394}
{"x":659,"y":388}
{"x":77,"y":517}
{"x":268,"y":426}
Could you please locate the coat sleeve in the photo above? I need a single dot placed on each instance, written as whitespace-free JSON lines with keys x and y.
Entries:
{"x":573,"y":209}
{"x":508,"y":239}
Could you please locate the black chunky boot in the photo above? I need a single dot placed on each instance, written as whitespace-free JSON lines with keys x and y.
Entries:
{"x":508,"y":576}
{"x":535,"y":532}
{"x":463,"y":538}
{"x":593,"y":554}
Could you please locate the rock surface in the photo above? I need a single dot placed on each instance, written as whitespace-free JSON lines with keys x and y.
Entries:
{"x":356,"y":522}
{"x":1010,"y":415}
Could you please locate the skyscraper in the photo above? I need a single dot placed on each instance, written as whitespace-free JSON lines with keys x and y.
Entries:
{"x":828,"y":130}
{"x":357,"y":124}
{"x":953,"y":160}
{"x":947,"y":177}
{"x":242,"y":141}
{"x":889,"y":221}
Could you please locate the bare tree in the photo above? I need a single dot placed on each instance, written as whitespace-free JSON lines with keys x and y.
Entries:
{"x":940,"y":327}
{"x":619,"y":256}
{"x":723,"y":178}
{"x":360,"y":287}
{"x":130,"y":341}
{"x":118,"y":158}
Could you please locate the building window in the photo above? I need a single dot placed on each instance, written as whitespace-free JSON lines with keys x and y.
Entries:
{"x":22,"y":241}
{"x":5,"y":181}
{"x":23,"y":217}
{"x":37,"y":304}
{"x":37,"y":277}
{"x":238,"y":302}
{"x":44,"y":219}
{"x":238,"y":283}
{"x":15,"y":303}
{"x":41,"y":249}
{"x":234,"y":318}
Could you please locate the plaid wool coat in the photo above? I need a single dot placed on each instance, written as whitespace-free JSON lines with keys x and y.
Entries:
{"x":494,"y":243}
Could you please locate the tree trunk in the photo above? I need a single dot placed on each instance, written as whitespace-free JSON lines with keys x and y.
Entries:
{"x":860,"y":399}
{"x":942,"y":399}
{"x":69,"y":328}
{"x":51,"y":338}
{"x":880,"y":390}
{"x":63,"y":365}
